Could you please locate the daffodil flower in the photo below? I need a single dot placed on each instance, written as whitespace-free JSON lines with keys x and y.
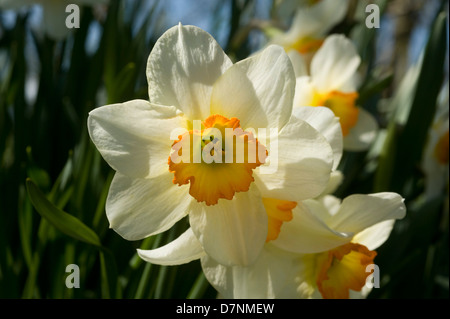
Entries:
{"x":333,"y":83}
{"x":195,"y":95}
{"x":324,"y":252}
{"x":55,"y":15}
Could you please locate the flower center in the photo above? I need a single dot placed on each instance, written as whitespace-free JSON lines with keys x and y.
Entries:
{"x":217,"y":160}
{"x":343,"y":268}
{"x":343,"y":106}
{"x":305,"y":45}
{"x":278,"y":211}
{"x":441,"y":149}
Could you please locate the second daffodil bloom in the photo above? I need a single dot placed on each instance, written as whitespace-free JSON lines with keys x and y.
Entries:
{"x":171,"y":159}
{"x":326,"y":251}
{"x":333,"y":83}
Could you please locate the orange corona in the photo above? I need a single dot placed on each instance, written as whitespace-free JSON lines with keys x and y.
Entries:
{"x":217,"y":173}
{"x":343,"y":268}
{"x":305,"y":45}
{"x":278,"y":211}
{"x":343,"y":106}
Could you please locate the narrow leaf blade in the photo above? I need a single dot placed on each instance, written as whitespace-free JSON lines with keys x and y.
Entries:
{"x":63,"y":221}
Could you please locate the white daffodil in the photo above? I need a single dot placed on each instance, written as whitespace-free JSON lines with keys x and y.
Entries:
{"x":196,"y":95}
{"x":333,"y":83}
{"x":435,"y":158}
{"x":322,"y":253}
{"x":55,"y":15}
{"x":311,"y":24}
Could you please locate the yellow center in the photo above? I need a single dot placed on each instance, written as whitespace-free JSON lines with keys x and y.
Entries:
{"x":441,"y":149}
{"x":343,"y":268}
{"x":278,"y":211}
{"x":343,"y":106}
{"x":305,"y":45}
{"x":223,"y":164}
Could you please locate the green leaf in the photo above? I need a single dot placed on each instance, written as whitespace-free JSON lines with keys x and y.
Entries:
{"x":38,"y":174}
{"x":374,"y":86}
{"x":123,"y":84}
{"x":109,"y":277}
{"x":398,"y":111}
{"x":63,"y":221}
{"x":25,"y":222}
{"x":199,"y":287}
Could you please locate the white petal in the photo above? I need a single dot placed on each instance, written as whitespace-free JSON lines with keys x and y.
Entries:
{"x":316,"y":20}
{"x":329,"y":13}
{"x":137,"y":208}
{"x":365,"y":291}
{"x":306,"y":278}
{"x":324,"y":121}
{"x":299,"y":63}
{"x":374,"y":236}
{"x":182,"y":250}
{"x":362,"y":135}
{"x":334,"y":64}
{"x":304,"y":92}
{"x":233,"y":232}
{"x":359,"y":212}
{"x":271,"y":276}
{"x":258,"y":90}
{"x":332,"y":205}
{"x":335,"y":181}
{"x":306,"y":23}
{"x":134,"y":137}
{"x":307,"y":232}
{"x":300,"y":163}
{"x":182,"y":68}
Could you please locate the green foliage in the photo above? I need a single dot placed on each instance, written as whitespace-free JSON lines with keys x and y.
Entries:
{"x":64,"y":222}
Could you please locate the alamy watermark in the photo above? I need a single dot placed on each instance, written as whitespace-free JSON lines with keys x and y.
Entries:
{"x":73,"y":18}
{"x":373,"y":19}
{"x":73,"y":279}
{"x":373,"y":279}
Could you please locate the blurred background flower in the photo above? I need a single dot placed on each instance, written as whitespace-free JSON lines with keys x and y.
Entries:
{"x":54,"y":184}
